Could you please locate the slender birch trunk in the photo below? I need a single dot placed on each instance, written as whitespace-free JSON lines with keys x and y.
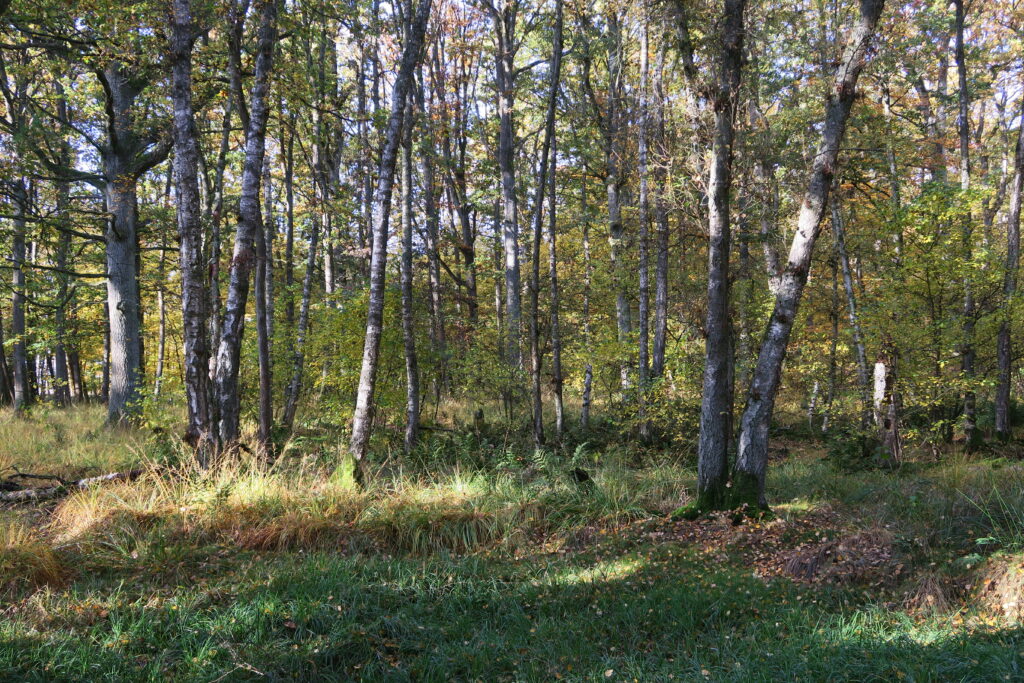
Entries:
{"x":839,"y":236}
{"x":412,"y":376}
{"x":643,"y":357}
{"x":362,"y":418}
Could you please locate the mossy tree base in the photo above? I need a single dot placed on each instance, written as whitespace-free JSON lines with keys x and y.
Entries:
{"x":741,"y":496}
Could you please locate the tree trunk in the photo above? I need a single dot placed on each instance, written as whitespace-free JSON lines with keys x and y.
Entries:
{"x":298,"y":352}
{"x":643,"y":358}
{"x":1004,"y":349}
{"x":717,"y":395}
{"x":972,"y":436}
{"x":19,"y":357}
{"x":752,"y":457}
{"x":505,"y":26}
{"x":588,"y":365}
{"x":839,"y":235}
{"x":250,"y":225}
{"x":123,"y":294}
{"x":554,"y":70}
{"x":362,"y":418}
{"x":412,"y":377}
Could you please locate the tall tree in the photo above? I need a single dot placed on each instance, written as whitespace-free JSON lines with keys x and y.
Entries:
{"x":752,"y":453}
{"x":190,"y":232}
{"x":362,"y":418}
{"x":254,"y":117}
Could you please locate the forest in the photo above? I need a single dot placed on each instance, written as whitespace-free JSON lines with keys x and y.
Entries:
{"x":511,"y":340}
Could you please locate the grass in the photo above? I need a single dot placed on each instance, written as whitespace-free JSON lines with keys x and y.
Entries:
{"x":249,"y":573}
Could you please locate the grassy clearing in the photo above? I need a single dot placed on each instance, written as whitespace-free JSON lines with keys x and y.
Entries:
{"x":245,"y":573}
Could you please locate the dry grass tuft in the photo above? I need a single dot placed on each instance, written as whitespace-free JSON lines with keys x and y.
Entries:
{"x":26,"y":559}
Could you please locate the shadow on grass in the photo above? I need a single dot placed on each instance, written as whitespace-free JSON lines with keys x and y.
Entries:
{"x":665,"y":613}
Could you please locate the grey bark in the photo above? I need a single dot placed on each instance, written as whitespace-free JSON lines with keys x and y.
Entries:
{"x":972,"y":436}
{"x":362,"y":417}
{"x":194,"y":304}
{"x":19,"y":358}
{"x":505,"y":26}
{"x":554,"y":70}
{"x":643,"y":359}
{"x":412,"y":377}
{"x":1004,"y":349}
{"x":250,"y":225}
{"x":717,"y":394}
{"x":588,"y":365}
{"x":752,"y":456}
{"x":839,"y":235}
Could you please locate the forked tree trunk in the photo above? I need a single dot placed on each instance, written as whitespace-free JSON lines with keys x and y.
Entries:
{"x":752,"y":457}
{"x":362,"y":418}
{"x":250,"y":225}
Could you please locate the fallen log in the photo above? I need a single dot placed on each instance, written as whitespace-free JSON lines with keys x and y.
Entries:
{"x":49,"y":492}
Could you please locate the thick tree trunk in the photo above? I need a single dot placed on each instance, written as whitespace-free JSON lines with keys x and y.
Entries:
{"x":250,"y":225}
{"x":362,"y":418}
{"x":717,"y":395}
{"x":1004,"y":348}
{"x":752,"y":456}
{"x":126,"y":157}
{"x":123,"y":294}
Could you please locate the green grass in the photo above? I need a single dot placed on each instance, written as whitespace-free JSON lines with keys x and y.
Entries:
{"x":649,"y":613}
{"x":245,"y":573}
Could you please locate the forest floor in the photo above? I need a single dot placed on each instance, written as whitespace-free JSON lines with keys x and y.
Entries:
{"x":248,"y":574}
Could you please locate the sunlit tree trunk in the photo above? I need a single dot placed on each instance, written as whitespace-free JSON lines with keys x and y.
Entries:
{"x":412,"y":376}
{"x":752,"y":454}
{"x":250,"y":225}
{"x":1004,"y":348}
{"x":362,"y":419}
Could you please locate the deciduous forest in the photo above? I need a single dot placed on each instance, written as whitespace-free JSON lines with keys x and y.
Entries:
{"x":511,"y":340}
